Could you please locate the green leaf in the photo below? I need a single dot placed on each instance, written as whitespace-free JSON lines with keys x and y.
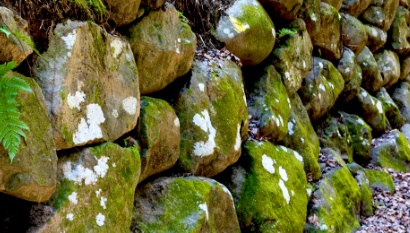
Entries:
{"x":5,"y":31}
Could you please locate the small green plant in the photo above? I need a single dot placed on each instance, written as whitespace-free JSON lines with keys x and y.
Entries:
{"x":286,"y":31}
{"x":11,"y":128}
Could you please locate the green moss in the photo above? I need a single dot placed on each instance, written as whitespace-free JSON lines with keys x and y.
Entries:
{"x":60,"y":198}
{"x":96,"y":5}
{"x":379,"y":179}
{"x":397,"y":156}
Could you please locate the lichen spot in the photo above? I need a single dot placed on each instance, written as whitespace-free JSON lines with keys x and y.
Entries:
{"x":100,"y":219}
{"x":201,"y":87}
{"x":114,"y":113}
{"x":73,"y":198}
{"x":238,"y":138}
{"x":283,"y":174}
{"x":203,"y":121}
{"x":204,"y":207}
{"x":176,"y":122}
{"x":89,"y":129}
{"x":129,"y":104}
{"x":70,"y":39}
{"x":97,"y":193}
{"x":379,"y":107}
{"x":298,"y":156}
{"x":117,"y":45}
{"x":267,"y":163}
{"x":70,"y":217}
{"x":75,"y":100}
{"x":284,"y":190}
{"x":102,"y":202}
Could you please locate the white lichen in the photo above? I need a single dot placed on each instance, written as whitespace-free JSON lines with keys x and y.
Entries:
{"x":102,"y":202}
{"x":100,"y":219}
{"x":129,"y":104}
{"x":267,"y":163}
{"x":176,"y":122}
{"x":78,"y":173}
{"x":75,"y":100}
{"x":70,"y":217}
{"x":238,"y":138}
{"x":201,"y":87}
{"x":117,"y":46}
{"x":73,"y":198}
{"x":203,"y":121}
{"x":284,"y":190}
{"x":290,"y":128}
{"x":283,"y":174}
{"x":204,"y":207}
{"x":89,"y":129}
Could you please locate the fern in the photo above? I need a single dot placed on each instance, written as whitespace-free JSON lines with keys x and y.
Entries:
{"x":286,"y":31}
{"x":20,"y":36}
{"x":11,"y":128}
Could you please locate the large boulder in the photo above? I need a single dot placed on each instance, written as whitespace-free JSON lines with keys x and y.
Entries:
{"x":310,"y":13}
{"x":158,"y":135}
{"x":389,"y":66}
{"x":391,"y":110}
{"x":329,"y":40}
{"x":372,"y":79}
{"x":192,"y":204}
{"x":337,"y":4}
{"x":376,"y":37}
{"x":337,"y":197}
{"x":400,"y":32}
{"x":214,"y":118}
{"x":370,"y":109}
{"x":95,"y":192}
{"x":361,"y":136}
{"x":392,"y":150}
{"x":247,"y":31}
{"x":163,"y":45}
{"x":33,"y":174}
{"x":268,"y":105}
{"x":302,"y":137}
{"x":293,"y":56}
{"x":380,"y":180}
{"x":405,"y":69}
{"x":362,"y":179}
{"x":355,"y":7}
{"x":120,"y":13}
{"x":278,"y":9}
{"x":90,"y":85}
{"x":352,"y":75}
{"x":320,"y":88}
{"x":13,"y":48}
{"x":354,"y":35}
{"x":269,"y":188}
{"x":401,"y":96}
{"x":381,"y":13}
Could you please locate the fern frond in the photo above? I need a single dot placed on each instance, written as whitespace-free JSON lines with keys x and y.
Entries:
{"x":286,"y":31}
{"x":7,"y":67}
{"x":9,"y":84}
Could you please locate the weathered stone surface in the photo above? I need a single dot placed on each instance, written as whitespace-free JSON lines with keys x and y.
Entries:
{"x":310,"y":13}
{"x":269,"y":188}
{"x":153,"y":4}
{"x":380,"y":180}
{"x":214,"y":118}
{"x":328,"y":41}
{"x":122,"y":13}
{"x":352,"y":75}
{"x":391,"y":110}
{"x":381,"y":13}
{"x":320,"y":88}
{"x":370,"y":109}
{"x":400,"y":32}
{"x":163,"y":46}
{"x":354,"y":35}
{"x":192,"y":204}
{"x":401,"y":96}
{"x":282,"y":9}
{"x":94,"y":193}
{"x":158,"y":134}
{"x":405,"y":69}
{"x":355,"y":7}
{"x":13,"y":49}
{"x":302,"y":137}
{"x":335,"y":3}
{"x":33,"y":174}
{"x":360,"y":175}
{"x":90,"y":85}
{"x":372,"y":79}
{"x":405,"y":130}
{"x":392,"y":151}
{"x":389,"y":66}
{"x":336,"y":136}
{"x":339,"y":197}
{"x":361,"y":136}
{"x":376,"y":37}
{"x":247,"y":31}
{"x":268,"y":105}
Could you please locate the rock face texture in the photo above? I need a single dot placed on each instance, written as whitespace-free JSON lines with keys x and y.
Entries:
{"x":352,"y":75}
{"x":121,"y":13}
{"x":90,"y":96}
{"x":213,"y":117}
{"x":163,"y":46}
{"x":33,"y":174}
{"x":247,"y":31}
{"x":189,"y":204}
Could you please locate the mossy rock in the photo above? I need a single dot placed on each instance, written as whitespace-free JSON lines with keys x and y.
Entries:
{"x":380,"y":180}
{"x":393,"y":114}
{"x":268,"y":104}
{"x":392,"y":151}
{"x":329,"y":40}
{"x":247,"y":31}
{"x":362,"y":179}
{"x":269,"y":188}
{"x":381,"y":13}
{"x":158,"y":134}
{"x":372,"y":78}
{"x":354,"y":7}
{"x":12,"y":48}
{"x":153,"y":4}
{"x":282,"y":9}
{"x":400,"y":32}
{"x":352,"y":75}
{"x":302,"y":137}
{"x":401,"y":96}
{"x":354,"y":35}
{"x":320,"y":88}
{"x":90,"y":85}
{"x":120,"y":13}
{"x":339,"y":197}
{"x":310,"y":13}
{"x":361,"y":136}
{"x":95,"y":192}
{"x":33,"y":174}
{"x":337,"y":4}
{"x":214,"y":118}
{"x":374,"y":15}
{"x":405,"y":69}
{"x":376,"y":37}
{"x":163,"y":45}
{"x":192,"y":204}
{"x":389,"y":67}
{"x":293,"y":56}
